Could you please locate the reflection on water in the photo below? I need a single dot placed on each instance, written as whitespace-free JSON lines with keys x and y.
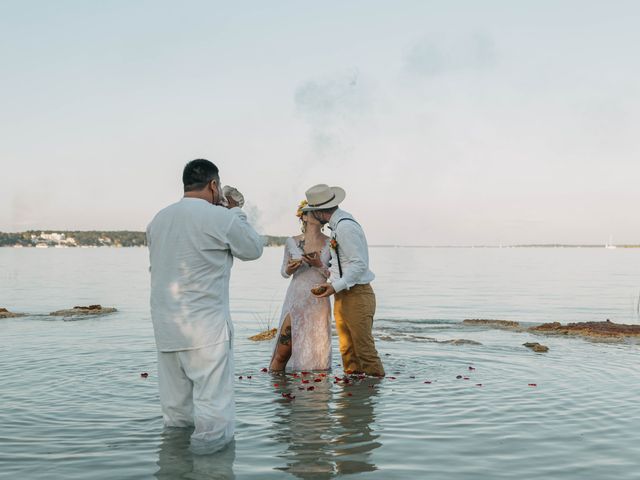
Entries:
{"x":355,"y":434}
{"x":326,"y":432}
{"x":175,"y":460}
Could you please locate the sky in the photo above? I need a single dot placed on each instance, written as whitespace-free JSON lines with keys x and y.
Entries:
{"x":447,"y":122}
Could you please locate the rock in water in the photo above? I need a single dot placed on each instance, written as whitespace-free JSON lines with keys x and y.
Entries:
{"x":536,"y":347}
{"x":266,"y":335}
{"x":460,"y":341}
{"x":599,"y":330}
{"x":492,"y":323}
{"x":80,"y":310}
{"x":4,"y":313}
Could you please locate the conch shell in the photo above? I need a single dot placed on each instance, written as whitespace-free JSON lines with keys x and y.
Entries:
{"x":319,"y":290}
{"x":232,"y":192}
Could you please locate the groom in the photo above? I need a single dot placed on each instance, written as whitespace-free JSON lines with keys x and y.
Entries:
{"x":355,"y":302}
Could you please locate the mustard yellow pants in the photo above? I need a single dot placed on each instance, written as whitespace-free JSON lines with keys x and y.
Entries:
{"x":353,"y":311}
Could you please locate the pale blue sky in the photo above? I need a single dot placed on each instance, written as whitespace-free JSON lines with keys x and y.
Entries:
{"x":446,"y":122}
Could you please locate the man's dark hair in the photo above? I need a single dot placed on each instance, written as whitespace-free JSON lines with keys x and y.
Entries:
{"x":198,"y":173}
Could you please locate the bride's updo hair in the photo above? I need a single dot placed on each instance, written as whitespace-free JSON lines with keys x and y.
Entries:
{"x":299,"y":213}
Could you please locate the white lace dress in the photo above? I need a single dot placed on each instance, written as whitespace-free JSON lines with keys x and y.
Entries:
{"x":310,"y":316}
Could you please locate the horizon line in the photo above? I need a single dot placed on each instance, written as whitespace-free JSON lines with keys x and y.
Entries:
{"x":389,"y":245}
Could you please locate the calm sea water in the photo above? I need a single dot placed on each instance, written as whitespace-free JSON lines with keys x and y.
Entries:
{"x":73,"y":404}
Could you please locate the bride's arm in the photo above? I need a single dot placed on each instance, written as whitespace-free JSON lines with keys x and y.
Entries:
{"x":288,"y":268}
{"x":285,"y":260}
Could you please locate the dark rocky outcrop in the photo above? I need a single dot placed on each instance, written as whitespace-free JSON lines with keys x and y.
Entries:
{"x":266,"y":335}
{"x":492,"y":323}
{"x":536,"y":347}
{"x":81,"y":310}
{"x":459,"y":341}
{"x":4,"y":313}
{"x":599,"y":330}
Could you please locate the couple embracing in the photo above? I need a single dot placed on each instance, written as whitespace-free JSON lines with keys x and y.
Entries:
{"x":319,"y":267}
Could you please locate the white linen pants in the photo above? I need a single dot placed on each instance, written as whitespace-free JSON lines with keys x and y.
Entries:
{"x":196,"y":389}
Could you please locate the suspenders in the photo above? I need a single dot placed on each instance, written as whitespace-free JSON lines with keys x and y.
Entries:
{"x":335,"y":235}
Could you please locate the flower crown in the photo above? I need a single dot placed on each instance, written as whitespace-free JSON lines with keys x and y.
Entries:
{"x":303,"y":204}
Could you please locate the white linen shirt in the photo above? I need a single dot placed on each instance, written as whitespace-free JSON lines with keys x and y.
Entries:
{"x":354,"y":253}
{"x":191,"y":248}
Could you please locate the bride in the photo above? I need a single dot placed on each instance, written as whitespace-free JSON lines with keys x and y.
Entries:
{"x":304,"y":334}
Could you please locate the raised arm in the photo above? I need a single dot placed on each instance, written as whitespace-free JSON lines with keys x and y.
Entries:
{"x":245,"y":243}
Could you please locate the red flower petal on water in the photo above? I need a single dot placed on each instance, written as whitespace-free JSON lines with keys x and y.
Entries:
{"x":240,"y":377}
{"x":458,"y":377}
{"x":311,"y":388}
{"x":427,"y":381}
{"x":323,"y":374}
{"x":264,"y":370}
{"x":304,"y":373}
{"x":249,"y":377}
{"x":533,"y":384}
{"x":276,"y":384}
{"x":465,"y":378}
{"x":346,"y":380}
{"x":412,"y":376}
{"x":478,"y":384}
{"x":317,"y":380}
{"x":144,"y":374}
{"x":300,"y":388}
{"x":349,"y":394}
{"x":305,"y":381}
{"x":471,"y":368}
{"x":391,"y":378}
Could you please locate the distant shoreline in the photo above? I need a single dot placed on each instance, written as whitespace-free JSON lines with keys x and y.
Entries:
{"x":89,"y":239}
{"x":128,"y":238}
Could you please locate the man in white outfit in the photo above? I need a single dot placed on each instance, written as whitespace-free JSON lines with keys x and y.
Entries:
{"x":192,"y":244}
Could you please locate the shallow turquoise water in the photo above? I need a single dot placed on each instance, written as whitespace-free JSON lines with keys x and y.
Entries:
{"x":73,"y":404}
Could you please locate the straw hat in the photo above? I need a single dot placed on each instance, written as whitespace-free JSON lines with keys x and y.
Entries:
{"x":322,"y":197}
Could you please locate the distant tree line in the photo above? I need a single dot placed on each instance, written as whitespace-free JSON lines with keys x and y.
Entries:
{"x":96,"y":238}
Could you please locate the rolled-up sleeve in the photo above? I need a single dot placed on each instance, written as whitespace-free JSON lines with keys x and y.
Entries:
{"x":354,"y":259}
{"x":244,"y":242}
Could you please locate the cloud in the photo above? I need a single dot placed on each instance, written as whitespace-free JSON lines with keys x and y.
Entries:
{"x":254,"y":216}
{"x":431,"y":56}
{"x":330,"y":106}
